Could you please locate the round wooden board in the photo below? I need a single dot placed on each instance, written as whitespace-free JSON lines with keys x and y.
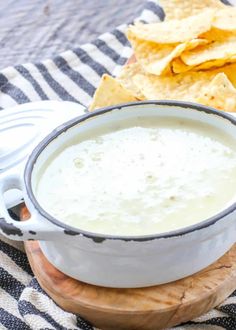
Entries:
{"x":150,"y":308}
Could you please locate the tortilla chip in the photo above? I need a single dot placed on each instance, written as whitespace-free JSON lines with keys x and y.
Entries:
{"x":126,"y":78}
{"x":225,"y":19}
{"x":218,"y":50}
{"x":178,"y":66}
{"x":178,"y":9}
{"x":187,"y":86}
{"x":215,"y":64}
{"x":110,"y":92}
{"x":220,"y":94}
{"x":217,"y":35}
{"x":230,"y":71}
{"x":179,"y":87}
{"x":156,"y":58}
{"x":176,"y":31}
{"x":153,"y":57}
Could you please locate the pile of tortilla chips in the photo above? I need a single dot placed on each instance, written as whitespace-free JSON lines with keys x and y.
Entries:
{"x":191,"y":56}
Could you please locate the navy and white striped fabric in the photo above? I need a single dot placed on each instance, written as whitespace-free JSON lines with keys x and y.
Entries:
{"x":73,"y":76}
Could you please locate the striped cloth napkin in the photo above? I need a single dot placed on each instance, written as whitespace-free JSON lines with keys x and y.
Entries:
{"x":71,"y":76}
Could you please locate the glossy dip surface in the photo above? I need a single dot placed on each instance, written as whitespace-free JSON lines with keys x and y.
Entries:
{"x":140,"y":176}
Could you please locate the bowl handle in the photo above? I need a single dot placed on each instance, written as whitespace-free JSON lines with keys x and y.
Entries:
{"x":35,"y":228}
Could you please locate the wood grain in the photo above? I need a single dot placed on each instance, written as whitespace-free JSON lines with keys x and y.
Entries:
{"x":150,"y":308}
{"x":131,"y":60}
{"x":31,"y":31}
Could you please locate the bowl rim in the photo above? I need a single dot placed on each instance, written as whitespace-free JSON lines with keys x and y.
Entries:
{"x":99,"y":237}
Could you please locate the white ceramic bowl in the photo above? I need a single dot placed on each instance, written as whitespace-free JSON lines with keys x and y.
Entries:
{"x":116,"y":261}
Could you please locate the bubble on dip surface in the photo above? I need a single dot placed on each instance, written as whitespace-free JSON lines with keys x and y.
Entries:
{"x":140,"y":177}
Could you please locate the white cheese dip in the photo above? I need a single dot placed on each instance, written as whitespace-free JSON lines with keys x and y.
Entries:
{"x":139,"y":177}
